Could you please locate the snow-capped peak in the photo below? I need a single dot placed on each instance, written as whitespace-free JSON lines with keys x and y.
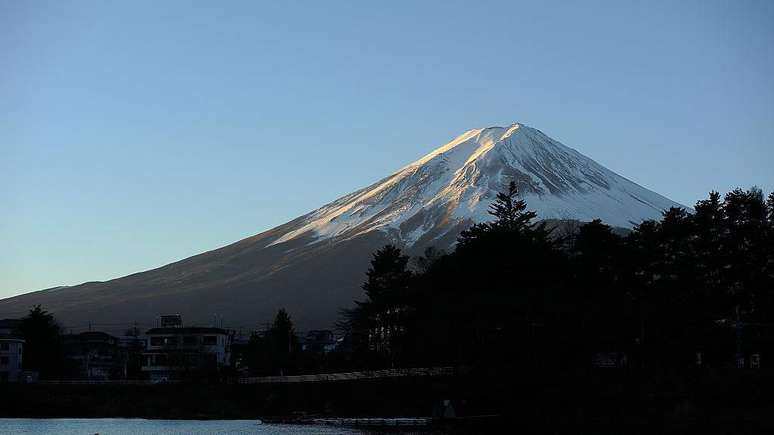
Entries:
{"x":453,"y":186}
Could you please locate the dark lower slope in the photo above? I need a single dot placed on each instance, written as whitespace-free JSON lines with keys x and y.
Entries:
{"x":243,"y":283}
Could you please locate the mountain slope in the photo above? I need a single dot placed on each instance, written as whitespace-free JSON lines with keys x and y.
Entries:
{"x":314,"y":264}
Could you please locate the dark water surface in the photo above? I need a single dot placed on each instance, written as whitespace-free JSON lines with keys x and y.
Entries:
{"x":124,"y":426}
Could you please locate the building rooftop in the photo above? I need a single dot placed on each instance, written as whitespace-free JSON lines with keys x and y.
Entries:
{"x":90,"y":336}
{"x":10,"y":323}
{"x":187,"y":330}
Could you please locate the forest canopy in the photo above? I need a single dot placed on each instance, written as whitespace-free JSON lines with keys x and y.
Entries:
{"x":695,"y":287}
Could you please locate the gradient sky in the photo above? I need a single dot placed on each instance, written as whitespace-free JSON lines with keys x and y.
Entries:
{"x":133,"y":134}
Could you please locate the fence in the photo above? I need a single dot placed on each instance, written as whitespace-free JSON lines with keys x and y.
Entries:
{"x":324,"y":377}
{"x":351,"y":376}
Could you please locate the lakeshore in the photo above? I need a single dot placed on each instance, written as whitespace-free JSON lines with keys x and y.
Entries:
{"x":599,"y":401}
{"x":122,"y":426}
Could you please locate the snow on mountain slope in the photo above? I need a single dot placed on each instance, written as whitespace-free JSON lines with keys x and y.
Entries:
{"x":455,"y":184}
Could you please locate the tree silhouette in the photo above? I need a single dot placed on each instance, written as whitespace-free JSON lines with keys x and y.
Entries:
{"x":511,"y":212}
{"x":283,"y":342}
{"x":42,"y":347}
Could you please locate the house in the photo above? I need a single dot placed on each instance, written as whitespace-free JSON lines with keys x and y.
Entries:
{"x":319,"y":341}
{"x":174,"y":351}
{"x":132,"y":346}
{"x":614,"y":359}
{"x":11,"y":351}
{"x":94,"y":355}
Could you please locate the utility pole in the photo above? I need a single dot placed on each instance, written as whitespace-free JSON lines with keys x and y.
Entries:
{"x":739,"y":350}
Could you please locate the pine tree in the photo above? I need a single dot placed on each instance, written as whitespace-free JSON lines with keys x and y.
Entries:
{"x":511,"y":212}
{"x":513,"y":220}
{"x":388,"y":276}
{"x":707,"y":253}
{"x":770,"y":206}
{"x":597,"y":252}
{"x":283,"y":343}
{"x":283,"y":333}
{"x":42,"y":347}
{"x":378,"y":324}
{"x":745,"y":251}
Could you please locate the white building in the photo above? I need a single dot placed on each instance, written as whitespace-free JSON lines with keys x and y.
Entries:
{"x":175,"y":352}
{"x":11,"y":351}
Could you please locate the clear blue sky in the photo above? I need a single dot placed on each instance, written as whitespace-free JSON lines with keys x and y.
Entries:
{"x":133,"y":134}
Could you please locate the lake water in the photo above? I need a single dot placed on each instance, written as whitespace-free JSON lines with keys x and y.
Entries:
{"x":125,"y":426}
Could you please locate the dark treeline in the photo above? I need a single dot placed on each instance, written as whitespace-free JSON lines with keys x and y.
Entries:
{"x":279,"y":351}
{"x":693,"y":288}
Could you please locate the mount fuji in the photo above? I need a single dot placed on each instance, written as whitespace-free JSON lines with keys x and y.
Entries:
{"x":314,"y":264}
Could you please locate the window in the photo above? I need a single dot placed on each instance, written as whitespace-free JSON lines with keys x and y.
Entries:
{"x":210,"y":340}
{"x":3,"y":346}
{"x":190,"y":340}
{"x":3,"y":360}
{"x":163,"y":341}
